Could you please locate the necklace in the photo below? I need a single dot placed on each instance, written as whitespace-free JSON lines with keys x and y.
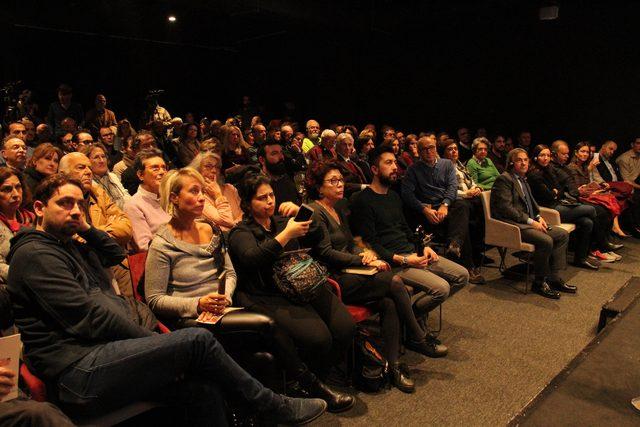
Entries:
{"x":330,"y":210}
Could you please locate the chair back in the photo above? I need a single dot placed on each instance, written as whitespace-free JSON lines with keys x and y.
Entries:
{"x":136,"y":269}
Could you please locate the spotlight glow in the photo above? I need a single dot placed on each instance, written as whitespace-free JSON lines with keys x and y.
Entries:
{"x":172,"y":18}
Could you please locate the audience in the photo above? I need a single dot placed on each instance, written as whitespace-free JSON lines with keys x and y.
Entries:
{"x":221,"y":200}
{"x":512,"y":201}
{"x":318,"y":332}
{"x":183,"y":218}
{"x":143,"y":209}
{"x":80,"y":339}
{"x":547,"y":191}
{"x":337,"y":249}
{"x":430,"y":191}
{"x":14,"y":198}
{"x":108,"y":181}
{"x":14,"y":153}
{"x":480,"y":166}
{"x":378,"y":219}
{"x":43,"y":163}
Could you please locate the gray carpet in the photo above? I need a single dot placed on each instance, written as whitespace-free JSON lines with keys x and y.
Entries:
{"x":505,"y":347}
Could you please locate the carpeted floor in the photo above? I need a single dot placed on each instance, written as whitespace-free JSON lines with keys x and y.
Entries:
{"x":504,"y":348}
{"x":598,"y":386}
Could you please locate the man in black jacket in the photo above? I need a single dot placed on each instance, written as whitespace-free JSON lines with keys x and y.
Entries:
{"x":512,"y":201}
{"x":79,"y":338}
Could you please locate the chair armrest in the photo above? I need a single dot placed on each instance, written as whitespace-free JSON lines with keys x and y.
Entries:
{"x":503,"y":234}
{"x":336,"y":287}
{"x":36,"y":387}
{"x":551,"y":216}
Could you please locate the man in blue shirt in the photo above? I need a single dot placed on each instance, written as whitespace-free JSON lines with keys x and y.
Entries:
{"x":430,"y":190}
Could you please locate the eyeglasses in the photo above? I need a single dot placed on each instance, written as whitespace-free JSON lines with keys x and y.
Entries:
{"x":335,"y":181}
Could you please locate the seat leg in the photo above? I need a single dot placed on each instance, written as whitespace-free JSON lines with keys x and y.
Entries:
{"x":503,"y":257}
{"x":526,"y":279}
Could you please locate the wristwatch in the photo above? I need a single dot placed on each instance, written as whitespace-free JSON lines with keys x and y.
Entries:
{"x":405,"y":261}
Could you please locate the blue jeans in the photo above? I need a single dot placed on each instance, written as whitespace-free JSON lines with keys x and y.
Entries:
{"x":185,"y":368}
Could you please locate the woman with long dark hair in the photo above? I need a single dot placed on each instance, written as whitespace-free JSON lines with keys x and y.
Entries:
{"x":317,"y":333}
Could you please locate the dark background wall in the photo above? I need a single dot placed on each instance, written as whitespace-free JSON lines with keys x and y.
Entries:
{"x":416,"y":65}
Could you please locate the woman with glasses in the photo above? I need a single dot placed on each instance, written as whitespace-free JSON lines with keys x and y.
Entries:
{"x":481,"y":168}
{"x":314,"y":336}
{"x":338,"y":250}
{"x":222,"y":202}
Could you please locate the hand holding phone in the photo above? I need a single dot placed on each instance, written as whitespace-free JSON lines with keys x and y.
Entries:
{"x":304,"y":213}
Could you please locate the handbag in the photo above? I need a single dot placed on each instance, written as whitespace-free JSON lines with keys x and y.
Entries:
{"x":298,"y":276}
{"x":371,"y":369}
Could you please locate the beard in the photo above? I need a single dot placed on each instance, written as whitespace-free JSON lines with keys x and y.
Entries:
{"x":314,"y":135}
{"x":276,"y":169}
{"x":388,"y":180}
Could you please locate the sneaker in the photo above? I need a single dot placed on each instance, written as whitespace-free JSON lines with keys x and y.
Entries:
{"x":602,"y":257}
{"x":475,"y":277}
{"x":614,"y":255}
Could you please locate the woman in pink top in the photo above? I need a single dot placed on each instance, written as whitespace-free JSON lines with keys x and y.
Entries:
{"x":222,"y":203}
{"x":143,"y":208}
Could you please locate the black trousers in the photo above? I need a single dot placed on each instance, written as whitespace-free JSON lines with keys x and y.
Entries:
{"x":318,"y":333}
{"x":550,"y":254}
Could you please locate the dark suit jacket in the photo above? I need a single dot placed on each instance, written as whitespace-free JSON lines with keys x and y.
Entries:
{"x":352,"y":180}
{"x":604,"y":171}
{"x":508,"y":203}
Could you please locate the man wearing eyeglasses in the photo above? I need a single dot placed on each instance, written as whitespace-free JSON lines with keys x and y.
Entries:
{"x":107,"y":137}
{"x":430,"y":190}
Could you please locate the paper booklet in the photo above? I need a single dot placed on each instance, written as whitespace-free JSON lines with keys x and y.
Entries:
{"x":207,"y":318}
{"x":10,"y":358}
{"x":365,"y":271}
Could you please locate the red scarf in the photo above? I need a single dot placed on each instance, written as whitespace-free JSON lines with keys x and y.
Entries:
{"x":24,"y":218}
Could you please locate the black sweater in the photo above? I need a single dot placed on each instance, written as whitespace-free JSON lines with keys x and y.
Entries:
{"x":63,"y":302}
{"x":254,"y":250}
{"x":379,"y":220}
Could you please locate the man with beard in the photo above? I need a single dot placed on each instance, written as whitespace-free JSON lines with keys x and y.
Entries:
{"x":313,"y":136}
{"x":271,"y":158}
{"x":378,"y":219}
{"x":497,"y":153}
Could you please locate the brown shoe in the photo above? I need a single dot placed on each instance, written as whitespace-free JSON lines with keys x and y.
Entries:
{"x":475,"y":277}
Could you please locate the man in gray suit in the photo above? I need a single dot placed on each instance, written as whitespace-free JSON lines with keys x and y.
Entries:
{"x":513,"y":202}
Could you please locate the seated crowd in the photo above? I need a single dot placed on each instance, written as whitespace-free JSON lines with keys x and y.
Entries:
{"x":213,"y":205}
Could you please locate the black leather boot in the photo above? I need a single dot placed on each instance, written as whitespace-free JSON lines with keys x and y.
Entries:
{"x":399,"y":378}
{"x":313,"y":387}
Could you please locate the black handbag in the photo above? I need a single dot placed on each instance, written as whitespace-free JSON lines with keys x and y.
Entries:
{"x":298,"y":276}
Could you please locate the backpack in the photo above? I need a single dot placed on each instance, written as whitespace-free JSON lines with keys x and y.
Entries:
{"x":370,"y":367}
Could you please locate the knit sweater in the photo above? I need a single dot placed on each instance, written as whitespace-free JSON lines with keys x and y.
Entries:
{"x":178,"y":273}
{"x":146,"y":215}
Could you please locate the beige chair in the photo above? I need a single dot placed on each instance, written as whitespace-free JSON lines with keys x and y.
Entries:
{"x":506,"y":236}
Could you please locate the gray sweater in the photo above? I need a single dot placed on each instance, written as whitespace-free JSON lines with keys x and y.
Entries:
{"x":178,"y":273}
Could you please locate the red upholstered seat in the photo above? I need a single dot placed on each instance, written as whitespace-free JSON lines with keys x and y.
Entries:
{"x":357,"y":312}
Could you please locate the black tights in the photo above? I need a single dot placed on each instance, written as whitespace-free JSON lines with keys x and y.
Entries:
{"x":390,"y":297}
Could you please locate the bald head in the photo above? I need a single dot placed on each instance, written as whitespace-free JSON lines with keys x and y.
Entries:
{"x":77,"y":166}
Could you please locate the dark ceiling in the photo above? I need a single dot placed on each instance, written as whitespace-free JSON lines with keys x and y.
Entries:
{"x":415,"y":64}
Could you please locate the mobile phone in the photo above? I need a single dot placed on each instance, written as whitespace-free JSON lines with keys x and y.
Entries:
{"x":222,"y":283}
{"x":304,"y":213}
